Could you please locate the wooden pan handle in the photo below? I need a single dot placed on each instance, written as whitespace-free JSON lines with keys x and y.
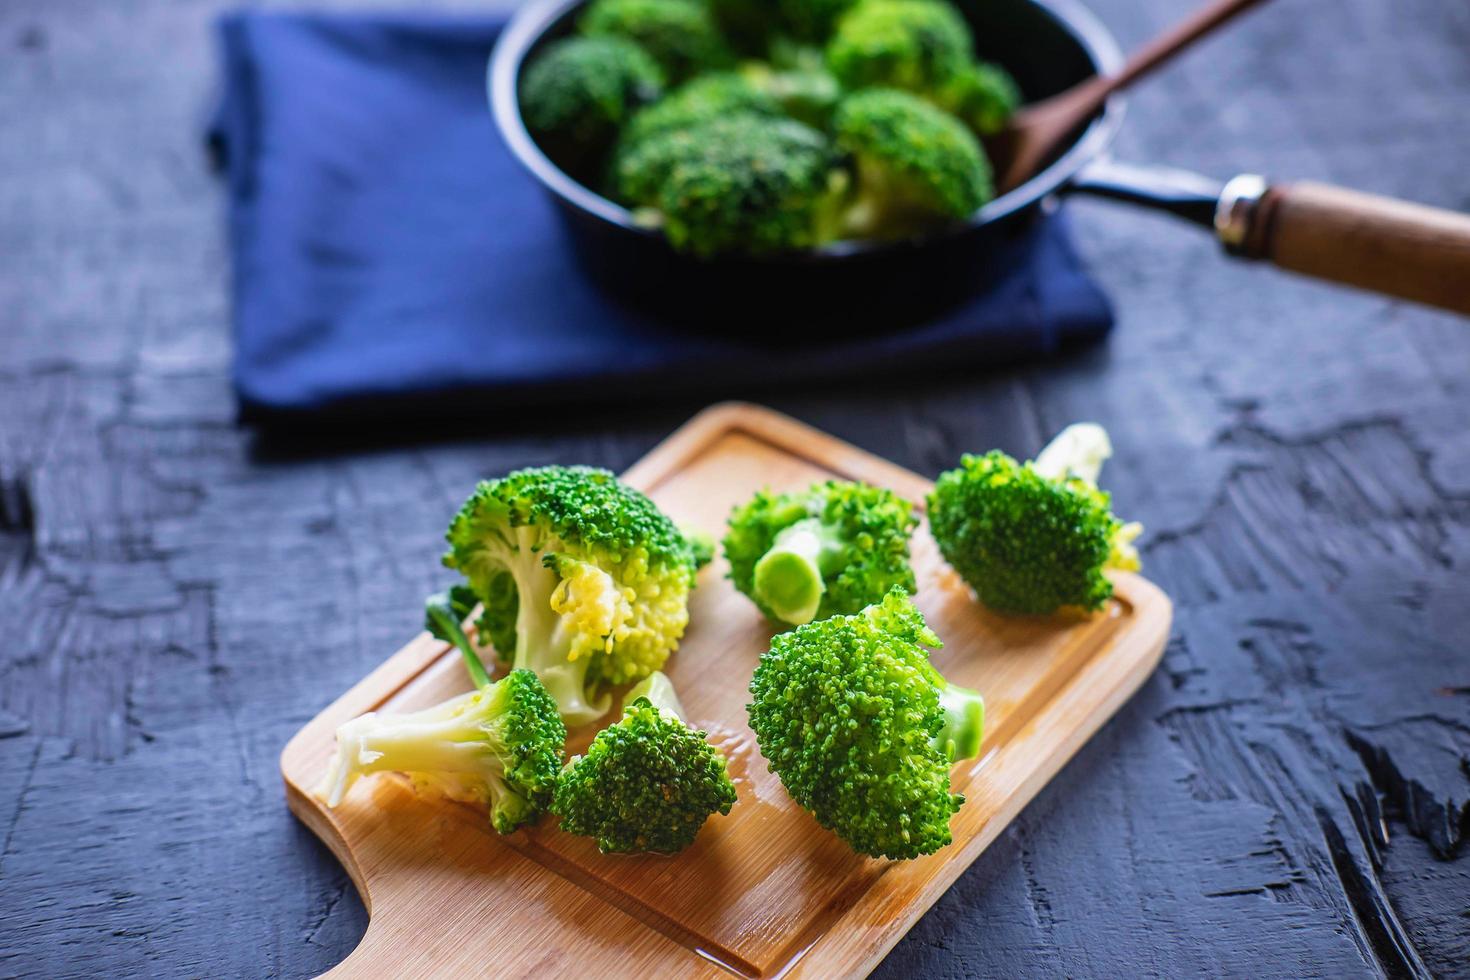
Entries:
{"x":1378,"y":243}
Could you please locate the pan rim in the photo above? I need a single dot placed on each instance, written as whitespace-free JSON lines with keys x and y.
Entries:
{"x":531,"y":21}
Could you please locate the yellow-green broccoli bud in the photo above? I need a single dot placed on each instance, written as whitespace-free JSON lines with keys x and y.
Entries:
{"x":830,"y":549}
{"x":500,"y":746}
{"x":862,"y":730}
{"x":1034,"y":537}
{"x":648,"y":782}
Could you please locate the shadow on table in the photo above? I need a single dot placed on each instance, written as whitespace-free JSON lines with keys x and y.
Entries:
{"x":470,"y":415}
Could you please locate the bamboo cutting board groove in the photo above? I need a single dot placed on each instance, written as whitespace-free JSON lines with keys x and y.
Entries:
{"x":764,"y":891}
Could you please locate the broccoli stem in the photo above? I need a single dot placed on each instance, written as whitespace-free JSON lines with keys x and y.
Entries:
{"x":788,"y":577}
{"x":1077,"y":452}
{"x":964,"y":722}
{"x":427,"y":745}
{"x":659,"y":691}
{"x":542,"y":642}
{"x":448,"y":737}
{"x":444,"y":621}
{"x":543,"y":639}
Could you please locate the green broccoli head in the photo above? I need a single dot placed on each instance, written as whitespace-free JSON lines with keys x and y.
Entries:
{"x":808,"y":95}
{"x":766,"y":27}
{"x":744,"y":184}
{"x":701,"y":545}
{"x":663,"y":133}
{"x":646,"y":783}
{"x":700,"y":101}
{"x":500,"y":746}
{"x":678,"y":34}
{"x":1033,"y":537}
{"x":984,"y":95}
{"x":600,"y":579}
{"x":916,"y":165}
{"x":914,"y":45}
{"x":830,"y":549}
{"x":862,"y":730}
{"x":579,"y":91}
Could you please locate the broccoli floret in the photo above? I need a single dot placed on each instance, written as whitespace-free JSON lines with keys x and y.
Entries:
{"x":809,"y":95}
{"x":601,"y":579}
{"x":647,"y":783}
{"x":702,"y":100}
{"x":983,"y":95}
{"x":579,"y":91}
{"x":663,"y":132}
{"x":767,"y":27}
{"x":915,"y":45}
{"x":500,"y":746}
{"x":1034,"y":537}
{"x":830,"y":549}
{"x":745,"y":184}
{"x":678,"y":34}
{"x":701,"y":545}
{"x":862,"y":730}
{"x":916,"y":165}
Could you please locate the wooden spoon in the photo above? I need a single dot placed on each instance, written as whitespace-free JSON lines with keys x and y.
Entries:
{"x":1033,"y":134}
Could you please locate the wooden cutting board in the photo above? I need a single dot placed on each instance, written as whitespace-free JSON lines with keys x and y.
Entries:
{"x":764,"y":891}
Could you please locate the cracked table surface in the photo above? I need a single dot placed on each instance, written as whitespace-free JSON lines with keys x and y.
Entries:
{"x":1285,"y":797}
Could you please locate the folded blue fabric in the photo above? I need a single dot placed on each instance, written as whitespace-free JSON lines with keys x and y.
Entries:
{"x":390,"y":254}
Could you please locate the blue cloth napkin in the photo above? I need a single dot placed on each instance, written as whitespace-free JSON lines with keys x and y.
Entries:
{"x":391,"y":256}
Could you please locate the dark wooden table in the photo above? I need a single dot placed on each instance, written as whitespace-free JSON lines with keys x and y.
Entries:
{"x":1286,"y":796}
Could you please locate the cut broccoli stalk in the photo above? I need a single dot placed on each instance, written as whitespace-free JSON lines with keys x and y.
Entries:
{"x":1077,"y":452}
{"x":833,"y":548}
{"x":788,"y":578}
{"x":659,"y":691}
{"x":500,"y":745}
{"x":964,"y":722}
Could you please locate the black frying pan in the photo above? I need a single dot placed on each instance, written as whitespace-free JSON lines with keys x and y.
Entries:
{"x":1049,"y":46}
